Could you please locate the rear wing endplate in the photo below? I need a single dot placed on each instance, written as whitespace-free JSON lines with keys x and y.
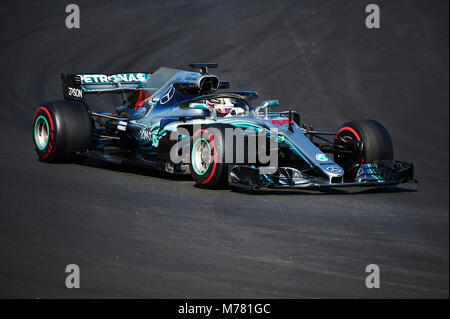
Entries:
{"x":76,"y":85}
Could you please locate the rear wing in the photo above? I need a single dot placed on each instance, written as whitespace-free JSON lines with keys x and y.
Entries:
{"x":76,"y":85}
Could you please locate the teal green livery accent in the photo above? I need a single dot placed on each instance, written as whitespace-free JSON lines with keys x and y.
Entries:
{"x":198,"y":106}
{"x":48,"y":136}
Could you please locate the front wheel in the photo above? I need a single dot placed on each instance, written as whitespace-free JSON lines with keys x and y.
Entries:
{"x":361,"y":141}
{"x":206,"y":161}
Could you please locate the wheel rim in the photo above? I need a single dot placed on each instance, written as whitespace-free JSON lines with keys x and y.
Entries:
{"x":41,"y":133}
{"x":347,"y":140}
{"x":201,"y":156}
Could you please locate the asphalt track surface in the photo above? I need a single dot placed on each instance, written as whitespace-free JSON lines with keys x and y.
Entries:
{"x":138,"y":233}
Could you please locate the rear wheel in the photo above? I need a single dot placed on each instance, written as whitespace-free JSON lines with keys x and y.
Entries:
{"x":61,"y":129}
{"x":364,"y":141}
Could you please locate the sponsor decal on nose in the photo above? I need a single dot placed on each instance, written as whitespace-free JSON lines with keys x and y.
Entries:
{"x":321,"y":157}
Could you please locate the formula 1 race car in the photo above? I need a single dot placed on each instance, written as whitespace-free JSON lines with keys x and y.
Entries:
{"x":169,"y":111}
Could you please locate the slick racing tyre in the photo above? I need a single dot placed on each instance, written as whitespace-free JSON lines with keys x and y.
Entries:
{"x":207,"y":157}
{"x":364,"y":141}
{"x":60,"y":130}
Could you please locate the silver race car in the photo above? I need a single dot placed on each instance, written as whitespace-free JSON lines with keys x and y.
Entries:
{"x":187,"y":122}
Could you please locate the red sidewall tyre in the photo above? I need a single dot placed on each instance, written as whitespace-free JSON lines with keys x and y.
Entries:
{"x":373,"y":139}
{"x":42,"y":116}
{"x":215,"y":173}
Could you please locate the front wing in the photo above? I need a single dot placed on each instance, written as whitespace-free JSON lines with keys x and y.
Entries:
{"x":378,"y":173}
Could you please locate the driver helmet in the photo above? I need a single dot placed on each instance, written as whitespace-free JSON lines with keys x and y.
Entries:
{"x":223,"y":106}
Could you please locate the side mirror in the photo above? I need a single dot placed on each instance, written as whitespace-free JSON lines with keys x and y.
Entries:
{"x":265,"y":105}
{"x":272,"y":103}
